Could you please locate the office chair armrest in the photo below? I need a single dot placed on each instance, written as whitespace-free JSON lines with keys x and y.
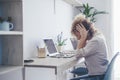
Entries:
{"x":99,"y":77}
{"x":81,"y":77}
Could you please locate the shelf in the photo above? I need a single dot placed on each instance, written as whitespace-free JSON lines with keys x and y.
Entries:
{"x":11,"y":42}
{"x":6,"y":69}
{"x":9,"y":0}
{"x":11,"y":33}
{"x":74,"y":3}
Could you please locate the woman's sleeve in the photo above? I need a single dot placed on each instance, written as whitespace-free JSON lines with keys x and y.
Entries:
{"x":90,"y":48}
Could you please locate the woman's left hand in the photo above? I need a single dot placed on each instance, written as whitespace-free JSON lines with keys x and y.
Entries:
{"x":77,"y":56}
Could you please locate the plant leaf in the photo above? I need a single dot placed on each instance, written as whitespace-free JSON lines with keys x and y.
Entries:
{"x":91,"y":12}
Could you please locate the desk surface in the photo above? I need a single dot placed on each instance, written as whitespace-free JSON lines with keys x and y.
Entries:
{"x":51,"y":62}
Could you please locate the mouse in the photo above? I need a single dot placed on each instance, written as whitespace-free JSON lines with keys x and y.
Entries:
{"x":29,"y":60}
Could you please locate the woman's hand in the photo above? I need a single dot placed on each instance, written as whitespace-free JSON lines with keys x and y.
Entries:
{"x":77,"y":56}
{"x":83,"y":32}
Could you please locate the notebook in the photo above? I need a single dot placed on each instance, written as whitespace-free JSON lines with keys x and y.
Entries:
{"x":50,"y":47}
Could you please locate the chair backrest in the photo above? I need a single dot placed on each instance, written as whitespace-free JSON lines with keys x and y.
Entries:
{"x":110,"y":70}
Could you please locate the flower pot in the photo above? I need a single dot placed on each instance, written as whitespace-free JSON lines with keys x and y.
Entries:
{"x":60,"y":48}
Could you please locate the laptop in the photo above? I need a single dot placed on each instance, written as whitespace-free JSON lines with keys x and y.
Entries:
{"x":52,"y":51}
{"x":74,"y":43}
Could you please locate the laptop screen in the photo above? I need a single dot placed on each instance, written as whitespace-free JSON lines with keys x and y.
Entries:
{"x":50,"y":46}
{"x":74,"y":43}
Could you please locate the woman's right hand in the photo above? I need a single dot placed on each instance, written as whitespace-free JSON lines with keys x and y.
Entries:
{"x":83,"y":32}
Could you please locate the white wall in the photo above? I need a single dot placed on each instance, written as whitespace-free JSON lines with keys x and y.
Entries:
{"x":42,"y":19}
{"x":104,"y":21}
{"x":116,"y":23}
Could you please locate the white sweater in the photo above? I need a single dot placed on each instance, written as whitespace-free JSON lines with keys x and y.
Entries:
{"x":95,"y":54}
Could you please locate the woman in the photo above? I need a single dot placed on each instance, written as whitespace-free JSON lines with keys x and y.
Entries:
{"x":91,"y":45}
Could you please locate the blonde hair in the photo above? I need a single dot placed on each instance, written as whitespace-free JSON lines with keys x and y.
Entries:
{"x":80,"y":18}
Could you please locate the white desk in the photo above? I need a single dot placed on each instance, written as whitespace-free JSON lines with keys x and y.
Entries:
{"x":48,"y":68}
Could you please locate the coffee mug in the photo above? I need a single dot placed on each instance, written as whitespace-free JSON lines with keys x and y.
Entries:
{"x":6,"y":26}
{"x":41,"y":52}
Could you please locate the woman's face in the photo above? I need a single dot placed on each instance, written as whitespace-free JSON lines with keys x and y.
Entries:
{"x":77,"y":34}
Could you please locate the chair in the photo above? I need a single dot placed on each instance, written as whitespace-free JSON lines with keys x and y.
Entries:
{"x":108,"y":75}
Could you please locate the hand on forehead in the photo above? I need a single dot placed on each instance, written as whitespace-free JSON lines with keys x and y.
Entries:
{"x":79,"y":26}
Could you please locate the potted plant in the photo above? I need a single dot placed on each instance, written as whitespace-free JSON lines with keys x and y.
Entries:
{"x":91,"y":12}
{"x":9,"y":19}
{"x":60,"y":41}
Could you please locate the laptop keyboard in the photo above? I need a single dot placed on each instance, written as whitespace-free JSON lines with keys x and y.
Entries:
{"x":63,"y":55}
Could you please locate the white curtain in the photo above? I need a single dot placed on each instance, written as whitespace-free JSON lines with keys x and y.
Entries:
{"x":116,"y":27}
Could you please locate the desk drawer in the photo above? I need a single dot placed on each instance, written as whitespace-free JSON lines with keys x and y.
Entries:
{"x":39,"y":73}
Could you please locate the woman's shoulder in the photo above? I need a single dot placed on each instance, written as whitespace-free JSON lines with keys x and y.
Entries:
{"x":98,"y":36}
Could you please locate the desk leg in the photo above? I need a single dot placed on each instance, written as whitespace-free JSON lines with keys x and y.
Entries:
{"x":23,"y":73}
